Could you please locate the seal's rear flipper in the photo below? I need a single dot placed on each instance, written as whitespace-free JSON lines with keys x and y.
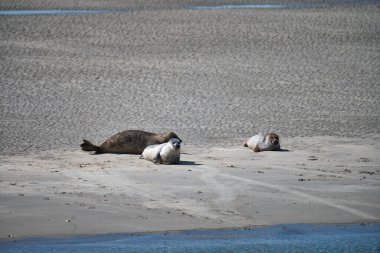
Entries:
{"x":88,"y":146}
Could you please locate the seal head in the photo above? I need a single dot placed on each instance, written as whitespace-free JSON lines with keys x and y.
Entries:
{"x":175,"y":142}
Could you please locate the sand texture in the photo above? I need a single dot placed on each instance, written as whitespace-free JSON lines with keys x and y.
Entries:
{"x":215,"y":78}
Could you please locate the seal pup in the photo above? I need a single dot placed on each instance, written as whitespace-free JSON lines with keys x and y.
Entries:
{"x":263,"y":142}
{"x":166,"y":153}
{"x":128,"y":142}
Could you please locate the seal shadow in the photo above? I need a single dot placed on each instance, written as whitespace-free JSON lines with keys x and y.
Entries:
{"x":188,"y":163}
{"x":283,"y":150}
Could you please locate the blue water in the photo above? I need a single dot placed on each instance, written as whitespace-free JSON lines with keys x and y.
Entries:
{"x":295,"y":5}
{"x":279,"y":238}
{"x":219,"y":7}
{"x":242,"y":6}
{"x":45,"y":12}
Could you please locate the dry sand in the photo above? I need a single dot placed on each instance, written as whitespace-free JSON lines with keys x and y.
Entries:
{"x":320,"y":180}
{"x":213,"y":77}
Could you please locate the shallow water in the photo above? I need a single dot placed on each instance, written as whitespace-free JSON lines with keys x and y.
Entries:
{"x":45,"y":12}
{"x":305,"y":5}
{"x":77,"y":11}
{"x":279,"y":238}
{"x":243,"y":6}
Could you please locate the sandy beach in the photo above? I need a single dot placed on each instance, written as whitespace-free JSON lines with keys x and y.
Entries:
{"x":215,"y":77}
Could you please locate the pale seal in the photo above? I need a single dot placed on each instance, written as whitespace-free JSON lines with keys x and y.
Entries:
{"x":264,"y":142}
{"x":166,"y":153}
{"x":128,"y":142}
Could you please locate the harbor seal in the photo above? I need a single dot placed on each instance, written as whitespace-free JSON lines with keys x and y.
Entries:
{"x":166,"y":153}
{"x":128,"y":142}
{"x":264,"y":142}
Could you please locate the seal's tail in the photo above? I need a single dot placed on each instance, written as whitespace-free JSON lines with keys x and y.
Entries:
{"x":88,"y":146}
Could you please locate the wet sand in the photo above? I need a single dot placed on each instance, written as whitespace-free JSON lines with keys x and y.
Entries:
{"x":215,"y":77}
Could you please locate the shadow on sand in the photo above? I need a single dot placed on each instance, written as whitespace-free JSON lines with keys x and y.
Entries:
{"x":188,"y":163}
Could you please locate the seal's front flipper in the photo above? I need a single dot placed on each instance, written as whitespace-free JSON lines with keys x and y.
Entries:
{"x":257,"y":148}
{"x":157,"y":159}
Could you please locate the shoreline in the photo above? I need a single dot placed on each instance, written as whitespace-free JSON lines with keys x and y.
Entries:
{"x":186,"y":231}
{"x":290,"y":237}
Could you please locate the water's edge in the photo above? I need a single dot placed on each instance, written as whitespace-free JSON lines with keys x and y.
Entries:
{"x":190,"y":7}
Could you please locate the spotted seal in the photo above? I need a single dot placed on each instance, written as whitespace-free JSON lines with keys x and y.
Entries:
{"x":264,"y":142}
{"x":128,"y":142}
{"x":166,"y":153}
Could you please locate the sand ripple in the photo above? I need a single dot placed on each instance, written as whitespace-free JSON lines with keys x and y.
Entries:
{"x":213,"y":77}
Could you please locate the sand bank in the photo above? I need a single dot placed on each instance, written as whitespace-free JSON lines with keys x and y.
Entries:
{"x":212,"y":76}
{"x":319,"y":180}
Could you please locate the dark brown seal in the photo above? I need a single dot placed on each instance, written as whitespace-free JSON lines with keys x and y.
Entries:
{"x":128,"y":142}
